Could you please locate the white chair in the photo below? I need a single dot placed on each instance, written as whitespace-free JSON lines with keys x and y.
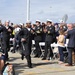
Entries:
{"x":11,"y":41}
{"x":33,"y":42}
{"x":54,"y":45}
{"x":42,"y":50}
{"x":33,"y":48}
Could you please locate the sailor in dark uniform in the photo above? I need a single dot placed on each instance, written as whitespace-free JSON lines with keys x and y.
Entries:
{"x":50,"y":31}
{"x":38,"y":37}
{"x":6,"y":31}
{"x":23,"y":35}
{"x":28,"y":26}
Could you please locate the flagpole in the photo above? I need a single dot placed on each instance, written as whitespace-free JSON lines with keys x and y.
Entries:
{"x":28,"y":10}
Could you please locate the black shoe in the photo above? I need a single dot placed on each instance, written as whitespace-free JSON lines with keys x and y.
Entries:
{"x":43,"y":58}
{"x":13,"y":51}
{"x":68,"y":65}
{"x":30,"y":66}
{"x":35,"y":56}
{"x":22,"y":57}
{"x":39,"y":56}
{"x":48,"y":58}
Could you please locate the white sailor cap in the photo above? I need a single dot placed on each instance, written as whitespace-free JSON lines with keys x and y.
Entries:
{"x":21,"y":24}
{"x":28,"y":21}
{"x":48,"y":20}
{"x":7,"y":21}
{"x":38,"y":21}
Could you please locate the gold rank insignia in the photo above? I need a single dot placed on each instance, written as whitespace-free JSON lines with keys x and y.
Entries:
{"x":48,"y":32}
{"x":38,"y":31}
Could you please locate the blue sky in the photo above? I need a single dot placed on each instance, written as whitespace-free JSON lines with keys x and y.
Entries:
{"x":15,"y":10}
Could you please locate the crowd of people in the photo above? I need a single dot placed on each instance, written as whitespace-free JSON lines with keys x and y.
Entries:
{"x":48,"y":32}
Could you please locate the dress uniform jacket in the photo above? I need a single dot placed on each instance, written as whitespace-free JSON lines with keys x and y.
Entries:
{"x":5,"y":32}
{"x":50,"y":33}
{"x":6,"y":39}
{"x":25,"y":34}
{"x":38,"y":33}
{"x":30,"y":38}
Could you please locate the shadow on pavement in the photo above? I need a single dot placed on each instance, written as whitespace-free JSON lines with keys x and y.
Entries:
{"x":19,"y":68}
{"x":13,"y":58}
{"x":44,"y":63}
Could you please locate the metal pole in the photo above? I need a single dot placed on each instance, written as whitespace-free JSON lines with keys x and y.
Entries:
{"x":28,"y":10}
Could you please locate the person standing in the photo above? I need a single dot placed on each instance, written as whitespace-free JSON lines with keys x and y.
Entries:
{"x":24,"y":38}
{"x":28,"y":26}
{"x":6,"y":31}
{"x":50,"y":31}
{"x":71,"y":43}
{"x":38,"y":37}
{"x":61,"y":45}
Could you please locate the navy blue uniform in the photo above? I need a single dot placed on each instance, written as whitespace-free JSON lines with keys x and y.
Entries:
{"x":24,"y":33}
{"x":5,"y":39}
{"x":38,"y":38}
{"x":48,"y":41}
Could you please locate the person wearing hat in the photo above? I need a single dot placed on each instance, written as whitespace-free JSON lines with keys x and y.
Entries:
{"x":29,"y":27}
{"x":38,"y":37}
{"x":50,"y":31}
{"x":6,"y":31}
{"x":24,"y":37}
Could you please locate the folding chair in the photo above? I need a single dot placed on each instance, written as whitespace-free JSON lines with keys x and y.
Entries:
{"x":54,"y":47}
{"x":42,"y":50}
{"x":33,"y":48}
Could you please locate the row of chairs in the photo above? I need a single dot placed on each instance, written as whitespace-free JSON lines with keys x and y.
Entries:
{"x":54,"y":47}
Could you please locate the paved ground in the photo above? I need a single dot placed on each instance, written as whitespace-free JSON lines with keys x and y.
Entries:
{"x":39,"y":67}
